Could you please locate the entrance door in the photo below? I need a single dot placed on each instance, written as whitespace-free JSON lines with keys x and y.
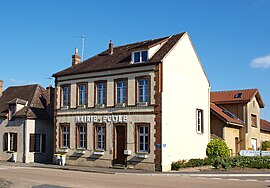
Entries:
{"x":120,"y":143}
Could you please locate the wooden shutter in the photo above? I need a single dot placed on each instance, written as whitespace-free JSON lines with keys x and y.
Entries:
{"x":202,"y":126}
{"x":5,"y":143}
{"x":32,"y":142}
{"x":15,"y":142}
{"x":60,"y":136}
{"x":43,"y":143}
{"x":68,"y":136}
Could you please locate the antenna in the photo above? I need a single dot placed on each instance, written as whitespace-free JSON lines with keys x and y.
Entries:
{"x":50,"y":78}
{"x":82,"y":46}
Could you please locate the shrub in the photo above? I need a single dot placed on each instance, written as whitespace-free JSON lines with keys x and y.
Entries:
{"x":178,"y":164}
{"x":265,"y":145}
{"x":217,"y":148}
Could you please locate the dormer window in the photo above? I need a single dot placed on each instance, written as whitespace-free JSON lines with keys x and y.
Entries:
{"x":12,"y":110}
{"x":140,"y":56}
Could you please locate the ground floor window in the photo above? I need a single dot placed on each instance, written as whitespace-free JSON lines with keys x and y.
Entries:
{"x":100,"y":137}
{"x":10,"y":142}
{"x":64,"y":136}
{"x":254,"y":143}
{"x":38,"y":143}
{"x":142,"y":137}
{"x":81,"y":135}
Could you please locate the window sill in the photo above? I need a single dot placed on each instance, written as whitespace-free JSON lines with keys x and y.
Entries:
{"x":64,"y":107}
{"x":120,"y":105}
{"x":62,"y":150}
{"x":142,"y":155}
{"x":99,"y":152}
{"x":80,"y":151}
{"x":100,"y":105}
{"x":81,"y":106}
{"x":11,"y":151}
{"x":142,"y":103}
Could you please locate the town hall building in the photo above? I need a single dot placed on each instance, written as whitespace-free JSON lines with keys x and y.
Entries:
{"x":141,"y":105}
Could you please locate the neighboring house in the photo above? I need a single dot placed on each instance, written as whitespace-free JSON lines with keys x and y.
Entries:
{"x":235,"y":116}
{"x":141,"y":105}
{"x":265,"y":130}
{"x":26,"y":123}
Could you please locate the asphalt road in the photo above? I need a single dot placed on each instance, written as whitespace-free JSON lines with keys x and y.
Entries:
{"x":48,"y":178}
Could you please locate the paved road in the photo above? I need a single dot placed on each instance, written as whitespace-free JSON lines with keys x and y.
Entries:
{"x":48,"y":178}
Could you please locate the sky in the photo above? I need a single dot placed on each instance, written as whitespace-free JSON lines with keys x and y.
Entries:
{"x":231,"y":38}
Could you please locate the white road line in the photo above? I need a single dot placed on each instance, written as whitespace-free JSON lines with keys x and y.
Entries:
{"x":251,"y":180}
{"x":267,"y":180}
{"x":234,"y":179}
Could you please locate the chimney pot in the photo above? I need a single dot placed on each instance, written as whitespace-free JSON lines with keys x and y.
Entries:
{"x":76,"y":59}
{"x":111,"y":47}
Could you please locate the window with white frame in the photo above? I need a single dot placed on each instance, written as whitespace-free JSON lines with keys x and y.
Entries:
{"x":37,"y":143}
{"x":65,"y":136}
{"x":82,"y":94}
{"x":140,"y":56}
{"x":65,"y":95}
{"x":101,"y":93}
{"x":121,"y":92}
{"x":143,"y":138}
{"x":143,"y":90}
{"x":100,"y":137}
{"x":82,"y":136}
{"x":10,"y":142}
{"x":199,"y":117}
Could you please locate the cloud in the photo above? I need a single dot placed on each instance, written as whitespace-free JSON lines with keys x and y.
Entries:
{"x":21,"y":82}
{"x":261,"y":62}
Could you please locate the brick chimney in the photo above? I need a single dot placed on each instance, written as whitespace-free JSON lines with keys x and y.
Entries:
{"x":76,"y":59}
{"x":1,"y":87}
{"x":111,"y":47}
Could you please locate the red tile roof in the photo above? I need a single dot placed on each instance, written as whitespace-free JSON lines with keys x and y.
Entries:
{"x":265,"y":125}
{"x":236,"y":96}
{"x":121,"y":57}
{"x":225,"y":115}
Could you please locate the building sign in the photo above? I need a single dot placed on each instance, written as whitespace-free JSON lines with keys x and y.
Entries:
{"x":101,"y":119}
{"x":252,"y":153}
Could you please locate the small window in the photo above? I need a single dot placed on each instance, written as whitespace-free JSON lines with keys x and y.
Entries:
{"x":82,"y":92}
{"x":10,"y":142}
{"x":121,"y":92}
{"x":65,"y":95}
{"x":254,"y":143}
{"x":81,"y":136}
{"x":238,"y":95}
{"x":12,"y":110}
{"x":38,"y":143}
{"x":143,"y":90}
{"x":140,"y":57}
{"x":199,"y":117}
{"x":253,"y":120}
{"x":100,"y":137}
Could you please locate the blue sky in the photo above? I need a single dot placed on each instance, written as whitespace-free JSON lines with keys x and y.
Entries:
{"x":37,"y":38}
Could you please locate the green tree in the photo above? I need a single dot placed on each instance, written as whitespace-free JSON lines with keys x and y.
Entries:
{"x":217,"y":148}
{"x":265,"y":145}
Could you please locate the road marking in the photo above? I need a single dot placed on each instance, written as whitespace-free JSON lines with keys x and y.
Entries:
{"x":251,"y":180}
{"x":267,"y":180}
{"x":234,"y":179}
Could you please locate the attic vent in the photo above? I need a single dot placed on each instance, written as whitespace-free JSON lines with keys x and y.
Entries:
{"x":238,"y":95}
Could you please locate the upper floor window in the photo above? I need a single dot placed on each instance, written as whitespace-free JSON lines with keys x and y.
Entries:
{"x":143,"y":90}
{"x":82,"y":94}
{"x":141,"y":56}
{"x":253,"y":120}
{"x":121,"y":92}
{"x":12,"y":110}
{"x":101,"y":93}
{"x":199,"y":124}
{"x":65,"y":95}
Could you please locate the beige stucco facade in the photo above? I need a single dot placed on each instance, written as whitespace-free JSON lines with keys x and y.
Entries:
{"x":172,"y":85}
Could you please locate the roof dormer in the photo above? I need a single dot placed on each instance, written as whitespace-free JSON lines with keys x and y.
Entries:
{"x":145,"y":51}
{"x":15,"y":105}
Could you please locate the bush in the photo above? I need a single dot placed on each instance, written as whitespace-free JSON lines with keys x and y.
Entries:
{"x":265,"y":145}
{"x":190,"y":163}
{"x":217,"y":149}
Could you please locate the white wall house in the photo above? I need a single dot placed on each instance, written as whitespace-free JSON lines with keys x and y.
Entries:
{"x":141,"y":105}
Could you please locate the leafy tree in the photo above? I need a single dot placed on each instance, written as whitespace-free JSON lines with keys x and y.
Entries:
{"x":217,"y":148}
